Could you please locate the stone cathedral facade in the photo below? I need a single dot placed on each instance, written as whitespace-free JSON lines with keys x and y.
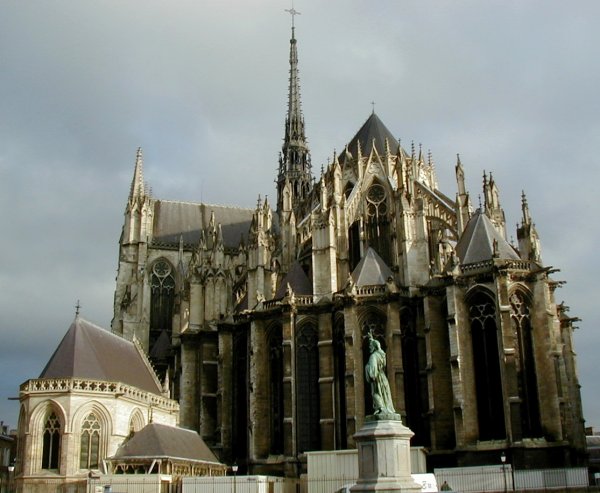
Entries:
{"x":257,"y":319}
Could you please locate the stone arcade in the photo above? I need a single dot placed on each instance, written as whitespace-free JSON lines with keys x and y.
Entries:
{"x":258,"y":318}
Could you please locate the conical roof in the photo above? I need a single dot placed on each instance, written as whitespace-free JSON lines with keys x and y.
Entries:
{"x":371,"y":270}
{"x":157,"y":440}
{"x":298,"y":281}
{"x":91,"y":352}
{"x":162,"y":347}
{"x":480,"y":239}
{"x":372,"y":133}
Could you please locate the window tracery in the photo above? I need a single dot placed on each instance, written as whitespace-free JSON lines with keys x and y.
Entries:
{"x":51,"y":442}
{"x":275,"y":341}
{"x":89,"y":452}
{"x":307,"y":383}
{"x":162,"y":287}
{"x":377,"y":221}
{"x":486,"y":366}
{"x":525,"y":363}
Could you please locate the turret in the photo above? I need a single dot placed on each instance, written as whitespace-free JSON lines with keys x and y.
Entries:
{"x":529,"y":242}
{"x":463,"y":203}
{"x":492,"y":204}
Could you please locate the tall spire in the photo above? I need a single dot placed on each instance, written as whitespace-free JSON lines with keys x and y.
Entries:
{"x":294,"y":162}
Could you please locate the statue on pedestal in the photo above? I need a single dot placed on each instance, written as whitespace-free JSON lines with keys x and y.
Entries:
{"x":376,"y":377}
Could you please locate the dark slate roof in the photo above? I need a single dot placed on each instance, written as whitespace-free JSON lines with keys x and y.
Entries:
{"x":298,"y":281}
{"x":371,"y":270}
{"x":476,"y":244}
{"x":186,"y":219}
{"x":162,"y":347}
{"x":91,"y":352}
{"x":372,"y":131}
{"x":157,"y":440}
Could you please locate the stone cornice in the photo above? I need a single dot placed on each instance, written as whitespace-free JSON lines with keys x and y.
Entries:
{"x":117,"y":389}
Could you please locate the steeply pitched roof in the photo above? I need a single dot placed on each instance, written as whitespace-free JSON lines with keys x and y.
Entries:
{"x":186,"y":219}
{"x":371,"y":270}
{"x":477,"y":241}
{"x":373,"y":132}
{"x":157,"y":440}
{"x":298,"y":281}
{"x":89,"y":351}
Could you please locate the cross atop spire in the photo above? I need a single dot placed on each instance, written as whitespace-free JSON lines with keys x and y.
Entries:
{"x":77,"y":308}
{"x":293,"y":12}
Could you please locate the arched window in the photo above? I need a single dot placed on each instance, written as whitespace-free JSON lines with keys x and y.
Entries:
{"x":526,"y":374}
{"x":162,"y":287}
{"x":415,"y":379}
{"x":377,"y":227}
{"x":89,"y":453}
{"x":373,"y":322}
{"x":51,"y":442}
{"x":354,"y":245}
{"x":486,"y":366}
{"x":275,"y":341}
{"x":339,"y":368}
{"x":307,"y":388}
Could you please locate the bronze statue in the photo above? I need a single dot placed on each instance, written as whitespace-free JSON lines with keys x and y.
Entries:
{"x":375,"y":375}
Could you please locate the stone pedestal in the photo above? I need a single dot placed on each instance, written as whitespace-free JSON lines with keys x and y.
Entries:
{"x":384,"y":456}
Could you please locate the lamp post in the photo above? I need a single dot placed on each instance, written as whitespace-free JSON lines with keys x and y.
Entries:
{"x":234,"y":468}
{"x":503,"y":459}
{"x":11,"y":470}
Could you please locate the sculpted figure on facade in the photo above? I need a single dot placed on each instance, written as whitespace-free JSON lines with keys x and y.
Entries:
{"x":376,"y":377}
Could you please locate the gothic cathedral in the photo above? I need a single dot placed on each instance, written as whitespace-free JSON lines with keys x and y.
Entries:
{"x":257,"y":319}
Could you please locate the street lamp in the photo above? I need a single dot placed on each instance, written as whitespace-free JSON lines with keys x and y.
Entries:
{"x":503,"y":459}
{"x":234,"y":468}
{"x":11,"y":470}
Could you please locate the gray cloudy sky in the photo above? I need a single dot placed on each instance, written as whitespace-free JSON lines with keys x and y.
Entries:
{"x":201,"y":86}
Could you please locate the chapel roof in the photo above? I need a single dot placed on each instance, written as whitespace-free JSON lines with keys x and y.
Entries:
{"x":479,"y":240}
{"x":158,"y":440}
{"x":371,"y":270}
{"x":298,"y":281}
{"x":174,"y":220}
{"x":91,"y":352}
{"x":373,"y":133}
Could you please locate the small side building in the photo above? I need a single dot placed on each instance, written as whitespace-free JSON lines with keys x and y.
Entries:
{"x":96,"y":390}
{"x":165,"y":450}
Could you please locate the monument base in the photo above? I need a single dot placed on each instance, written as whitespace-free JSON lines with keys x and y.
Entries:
{"x":384,"y":456}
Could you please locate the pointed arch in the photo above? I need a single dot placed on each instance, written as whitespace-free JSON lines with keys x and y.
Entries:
{"x":92,"y":423}
{"x":339,"y":371}
{"x":378,"y":205}
{"x":307,"y":387}
{"x":486,"y":364}
{"x":275,"y":378}
{"x":136,"y":420}
{"x":47,"y":426}
{"x":162,"y":299}
{"x":520,"y":317}
{"x":414,"y":358}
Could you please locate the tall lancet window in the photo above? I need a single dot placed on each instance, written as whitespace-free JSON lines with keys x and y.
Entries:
{"x":526,"y":374}
{"x":307,"y":388}
{"x":162,"y":300}
{"x":374,"y":323}
{"x":486,"y":366}
{"x":339,"y":368}
{"x":89,"y":453}
{"x":377,"y":227}
{"x":414,"y":357}
{"x":275,"y":342}
{"x":51,"y":442}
